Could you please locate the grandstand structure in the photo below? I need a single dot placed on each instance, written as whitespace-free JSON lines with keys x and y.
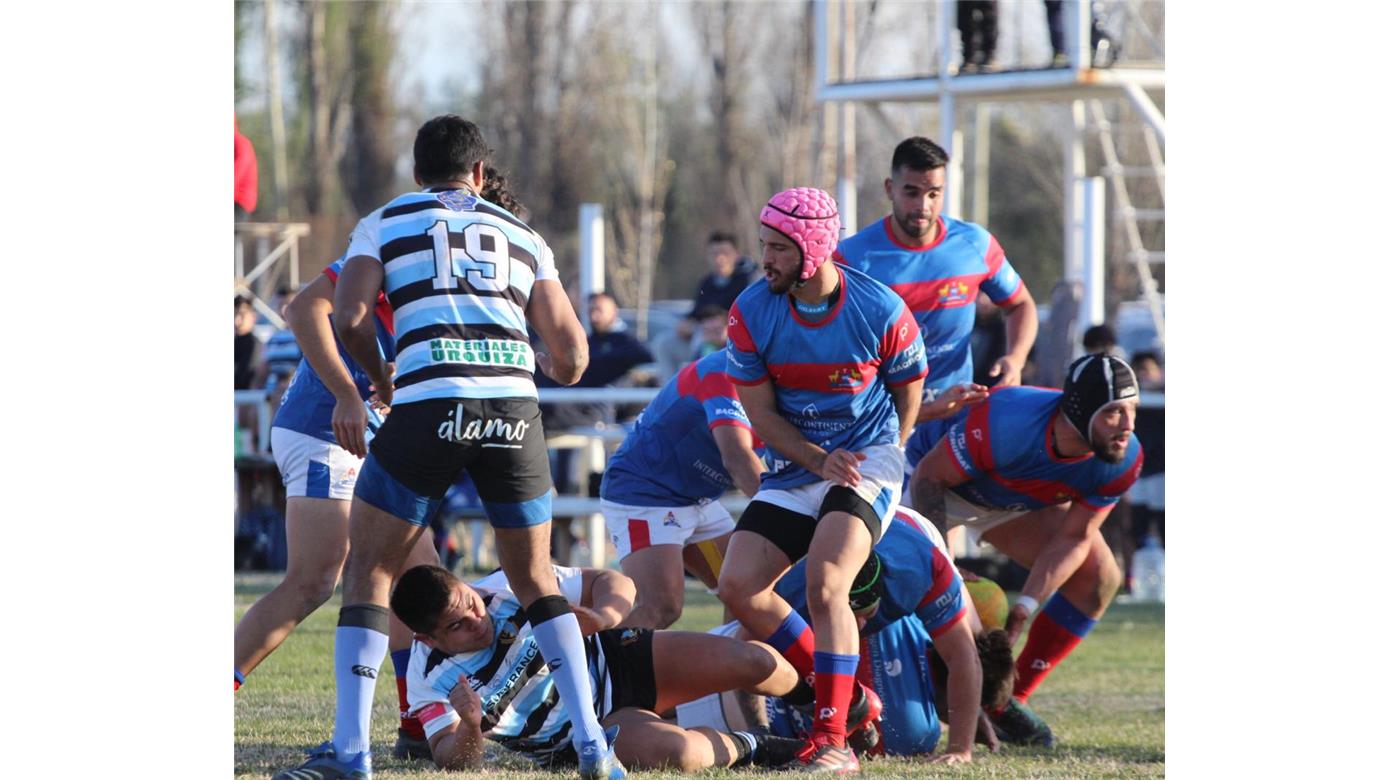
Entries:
{"x":1111,"y":113}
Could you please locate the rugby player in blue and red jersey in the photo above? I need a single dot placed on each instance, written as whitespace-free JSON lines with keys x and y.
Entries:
{"x":829,"y":367}
{"x":691,"y":444}
{"x":1034,"y":472}
{"x":937,"y":264}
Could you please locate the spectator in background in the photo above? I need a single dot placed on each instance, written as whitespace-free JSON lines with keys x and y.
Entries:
{"x":247,"y":350}
{"x":245,"y":176}
{"x":1103,"y":52}
{"x":732,"y":273}
{"x":674,"y":349}
{"x":1148,"y":368}
{"x":1101,"y":338}
{"x":977,"y":21}
{"x":714,"y":330}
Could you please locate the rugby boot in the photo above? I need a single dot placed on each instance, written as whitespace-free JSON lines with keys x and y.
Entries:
{"x":866,"y":741}
{"x":322,"y":764}
{"x":823,"y":757}
{"x":597,"y":762}
{"x":774,"y":751}
{"x":865,"y":709}
{"x":409,"y":748}
{"x":1018,"y":725}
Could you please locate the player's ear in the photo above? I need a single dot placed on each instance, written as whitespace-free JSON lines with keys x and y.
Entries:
{"x":479,"y":174}
{"x":889,"y":188}
{"x":416,"y":178}
{"x":425,"y":639}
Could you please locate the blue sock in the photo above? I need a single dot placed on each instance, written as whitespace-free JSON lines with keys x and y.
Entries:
{"x":361,"y":640}
{"x":557,"y":633}
{"x":400,"y":659}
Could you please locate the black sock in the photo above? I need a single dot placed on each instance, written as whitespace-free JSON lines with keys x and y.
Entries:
{"x":746,"y":744}
{"x":801,"y":694}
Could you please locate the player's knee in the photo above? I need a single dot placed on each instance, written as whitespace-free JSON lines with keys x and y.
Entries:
{"x":826,"y":591}
{"x":313,"y":590}
{"x":735,"y":592}
{"x":693,"y":754}
{"x":666,"y":612}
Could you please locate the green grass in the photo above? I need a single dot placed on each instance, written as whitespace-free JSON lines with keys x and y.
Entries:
{"x":1106,"y":704}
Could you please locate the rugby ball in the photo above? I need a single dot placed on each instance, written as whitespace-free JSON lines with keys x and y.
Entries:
{"x":990,"y":602}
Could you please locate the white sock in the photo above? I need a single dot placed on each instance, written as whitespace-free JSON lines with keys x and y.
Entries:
{"x":561,"y":642}
{"x":359,"y":652}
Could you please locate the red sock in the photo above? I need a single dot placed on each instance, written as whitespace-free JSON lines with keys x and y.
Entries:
{"x":1054,"y":633}
{"x":836,"y":679}
{"x":409,"y":723}
{"x":796,"y":642}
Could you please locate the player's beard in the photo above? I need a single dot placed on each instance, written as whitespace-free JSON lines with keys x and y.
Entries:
{"x":1103,"y":449}
{"x":911,"y":228}
{"x":782,"y":282}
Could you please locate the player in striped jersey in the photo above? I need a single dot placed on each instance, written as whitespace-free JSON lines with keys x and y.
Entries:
{"x":464,"y":278}
{"x":477,"y":671}
{"x":1034,"y":472}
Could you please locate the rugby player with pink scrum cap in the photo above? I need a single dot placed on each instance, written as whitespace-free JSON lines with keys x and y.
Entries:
{"x":829,"y":367}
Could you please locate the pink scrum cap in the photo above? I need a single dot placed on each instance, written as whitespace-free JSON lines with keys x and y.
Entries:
{"x":808,"y":216}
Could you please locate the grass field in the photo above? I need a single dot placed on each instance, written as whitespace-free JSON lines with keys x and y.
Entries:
{"x":1106,"y":704}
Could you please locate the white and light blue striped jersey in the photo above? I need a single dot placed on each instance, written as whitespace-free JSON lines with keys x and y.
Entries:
{"x":519,"y":703}
{"x":458,"y":271}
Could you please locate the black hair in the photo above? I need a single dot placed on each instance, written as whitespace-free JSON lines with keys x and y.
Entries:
{"x":446,"y":148}
{"x":707,"y":311}
{"x":720,"y":236}
{"x":1146,"y":354}
{"x":239,"y":300}
{"x":421,"y":595}
{"x":998,"y":668}
{"x":602,"y":294}
{"x":496,"y":188}
{"x":1099,"y":338}
{"x":918,"y":154}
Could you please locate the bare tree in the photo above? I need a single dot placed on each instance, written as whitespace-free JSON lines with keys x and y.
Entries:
{"x":369,"y":170}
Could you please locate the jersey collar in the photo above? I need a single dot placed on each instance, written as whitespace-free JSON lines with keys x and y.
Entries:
{"x":940,"y":231}
{"x":792,"y":308}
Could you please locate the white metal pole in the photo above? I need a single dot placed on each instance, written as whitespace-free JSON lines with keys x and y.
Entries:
{"x":590,"y":251}
{"x":1074,"y":170}
{"x":1090,"y":191}
{"x":1077,"y":36}
{"x":981,"y":145}
{"x":846,"y":176}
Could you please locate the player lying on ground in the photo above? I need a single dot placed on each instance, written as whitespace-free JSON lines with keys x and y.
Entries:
{"x":327,"y":403}
{"x":691,"y":444}
{"x":476,"y":671}
{"x":908,"y":598}
{"x":1034,"y":472}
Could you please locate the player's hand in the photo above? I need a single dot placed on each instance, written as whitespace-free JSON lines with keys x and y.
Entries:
{"x":1008,"y":370}
{"x":465,"y":700}
{"x":964,"y":757}
{"x":384,"y":384}
{"x":545,"y":364}
{"x":348,"y":422}
{"x":842,"y":467}
{"x":590,"y":621}
{"x":955,"y":398}
{"x":379,"y":406}
{"x":986,"y":732}
{"x":1016,"y":621}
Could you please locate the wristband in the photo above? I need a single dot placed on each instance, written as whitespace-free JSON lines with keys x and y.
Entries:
{"x":1029,"y":603}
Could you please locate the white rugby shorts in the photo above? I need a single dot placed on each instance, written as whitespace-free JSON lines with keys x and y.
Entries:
{"x":975,"y":518}
{"x":312,"y":468}
{"x":881,"y":483}
{"x":635,"y":528}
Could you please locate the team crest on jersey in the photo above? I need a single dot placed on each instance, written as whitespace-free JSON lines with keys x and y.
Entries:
{"x":457,"y":200}
{"x":844,"y":377}
{"x":952,"y":292}
{"x":630,"y":635}
{"x":508,"y":634}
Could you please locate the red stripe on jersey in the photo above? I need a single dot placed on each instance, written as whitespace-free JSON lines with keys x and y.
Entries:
{"x":739,"y":331}
{"x":1010,"y":299}
{"x":1048,"y":491}
{"x":331,"y":274}
{"x":638,"y":534}
{"x":979,"y":437}
{"x":1050,"y":445}
{"x":995,"y":256}
{"x":824,"y":377}
{"x":949,"y":293}
{"x":715,"y":384}
{"x":838,"y":257}
{"x":430,"y":712}
{"x":900,"y":335}
{"x":943,"y":629}
{"x":940,"y":232}
{"x":942,"y":576}
{"x":1124,"y":481}
{"x":908,"y":520}
{"x":731,"y":421}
